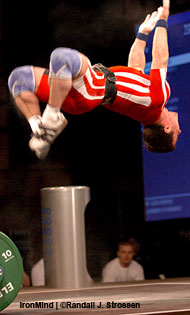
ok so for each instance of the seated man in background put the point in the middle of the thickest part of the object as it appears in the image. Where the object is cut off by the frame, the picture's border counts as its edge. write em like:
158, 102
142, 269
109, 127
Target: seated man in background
123, 268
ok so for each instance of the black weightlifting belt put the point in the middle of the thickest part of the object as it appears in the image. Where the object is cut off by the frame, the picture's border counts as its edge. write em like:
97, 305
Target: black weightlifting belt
110, 87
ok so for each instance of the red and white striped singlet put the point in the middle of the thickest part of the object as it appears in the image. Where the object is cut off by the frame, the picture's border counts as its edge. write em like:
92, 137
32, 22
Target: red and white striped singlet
139, 96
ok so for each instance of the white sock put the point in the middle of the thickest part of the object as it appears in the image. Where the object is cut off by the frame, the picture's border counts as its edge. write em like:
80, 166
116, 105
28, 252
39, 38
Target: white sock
50, 114
34, 122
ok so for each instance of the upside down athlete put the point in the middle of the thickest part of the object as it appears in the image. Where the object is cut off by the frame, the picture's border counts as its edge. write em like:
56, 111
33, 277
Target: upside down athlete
74, 86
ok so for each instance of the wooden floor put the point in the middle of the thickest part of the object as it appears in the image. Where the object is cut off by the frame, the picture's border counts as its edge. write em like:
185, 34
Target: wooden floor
170, 296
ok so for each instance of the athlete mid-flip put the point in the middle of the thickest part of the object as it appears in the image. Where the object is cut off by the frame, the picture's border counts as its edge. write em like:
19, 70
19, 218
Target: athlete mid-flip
74, 86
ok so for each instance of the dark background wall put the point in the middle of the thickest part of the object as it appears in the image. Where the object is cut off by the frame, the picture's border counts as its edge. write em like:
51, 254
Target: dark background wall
100, 149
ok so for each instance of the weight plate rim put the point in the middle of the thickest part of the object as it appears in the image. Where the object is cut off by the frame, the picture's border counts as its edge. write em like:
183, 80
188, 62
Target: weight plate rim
12, 245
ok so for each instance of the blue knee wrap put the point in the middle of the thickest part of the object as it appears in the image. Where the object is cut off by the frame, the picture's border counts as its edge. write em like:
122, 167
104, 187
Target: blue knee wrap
65, 63
21, 80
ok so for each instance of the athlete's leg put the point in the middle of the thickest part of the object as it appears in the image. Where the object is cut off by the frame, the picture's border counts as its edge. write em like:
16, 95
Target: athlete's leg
28, 104
65, 66
23, 82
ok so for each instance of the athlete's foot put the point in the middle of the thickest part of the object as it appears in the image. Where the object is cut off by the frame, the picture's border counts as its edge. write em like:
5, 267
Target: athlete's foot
41, 145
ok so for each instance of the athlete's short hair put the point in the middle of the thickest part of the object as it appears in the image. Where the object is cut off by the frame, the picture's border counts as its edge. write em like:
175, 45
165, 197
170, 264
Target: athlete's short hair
157, 140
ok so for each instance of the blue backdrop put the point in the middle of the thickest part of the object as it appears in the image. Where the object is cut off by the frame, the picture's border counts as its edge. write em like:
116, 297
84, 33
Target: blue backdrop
167, 176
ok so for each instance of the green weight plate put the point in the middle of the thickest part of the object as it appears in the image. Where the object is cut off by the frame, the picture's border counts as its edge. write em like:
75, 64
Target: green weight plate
1, 273
11, 271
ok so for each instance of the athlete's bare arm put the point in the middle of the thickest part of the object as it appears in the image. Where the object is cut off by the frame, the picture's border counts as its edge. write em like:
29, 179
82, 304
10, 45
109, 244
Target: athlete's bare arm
136, 58
160, 52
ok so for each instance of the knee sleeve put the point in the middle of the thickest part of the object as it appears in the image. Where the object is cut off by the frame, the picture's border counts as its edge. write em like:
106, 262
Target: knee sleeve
21, 80
65, 63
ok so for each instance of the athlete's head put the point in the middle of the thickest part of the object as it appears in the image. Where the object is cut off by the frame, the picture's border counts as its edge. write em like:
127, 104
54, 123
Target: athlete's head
162, 136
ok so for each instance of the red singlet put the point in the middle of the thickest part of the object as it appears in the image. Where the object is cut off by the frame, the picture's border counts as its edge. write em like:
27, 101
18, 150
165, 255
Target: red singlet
139, 96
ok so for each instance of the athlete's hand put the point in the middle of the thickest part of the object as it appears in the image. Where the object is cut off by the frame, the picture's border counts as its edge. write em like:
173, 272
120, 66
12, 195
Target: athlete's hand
165, 10
150, 21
